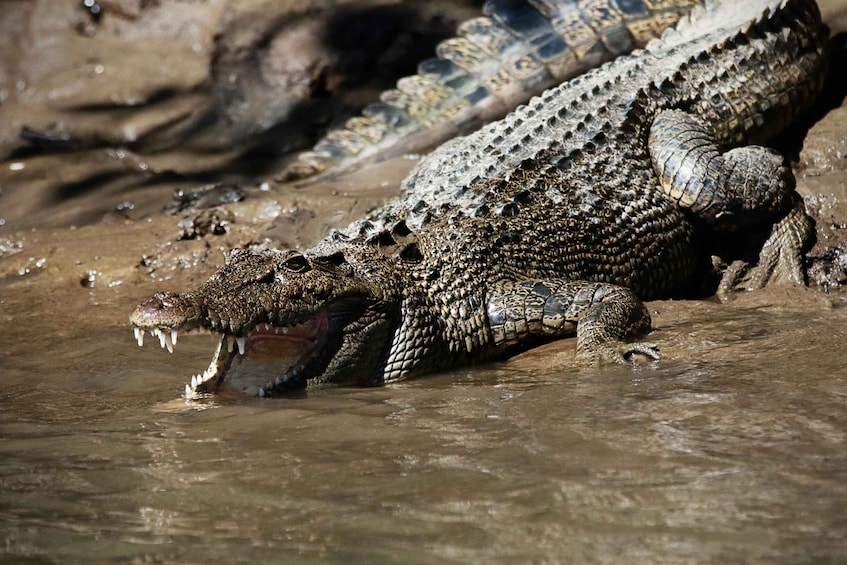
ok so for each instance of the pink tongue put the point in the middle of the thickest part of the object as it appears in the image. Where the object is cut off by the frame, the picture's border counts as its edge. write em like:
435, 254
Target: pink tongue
297, 341
277, 346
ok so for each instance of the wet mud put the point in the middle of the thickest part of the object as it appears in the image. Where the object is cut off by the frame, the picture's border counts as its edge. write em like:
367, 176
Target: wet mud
731, 448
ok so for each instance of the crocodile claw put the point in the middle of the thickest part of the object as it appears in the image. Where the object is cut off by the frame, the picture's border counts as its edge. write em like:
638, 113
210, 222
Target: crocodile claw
618, 353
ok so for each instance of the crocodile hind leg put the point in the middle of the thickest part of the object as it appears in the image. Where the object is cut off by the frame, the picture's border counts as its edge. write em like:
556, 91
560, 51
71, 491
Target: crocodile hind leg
745, 187
603, 316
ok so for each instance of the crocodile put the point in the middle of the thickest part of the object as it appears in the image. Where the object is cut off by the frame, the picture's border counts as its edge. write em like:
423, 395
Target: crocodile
558, 220
516, 49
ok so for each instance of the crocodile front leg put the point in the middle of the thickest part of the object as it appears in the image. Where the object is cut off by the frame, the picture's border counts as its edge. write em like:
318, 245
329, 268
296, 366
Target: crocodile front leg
603, 316
743, 187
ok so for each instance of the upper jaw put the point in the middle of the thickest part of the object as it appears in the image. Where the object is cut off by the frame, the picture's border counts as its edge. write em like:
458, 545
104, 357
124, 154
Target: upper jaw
168, 310
165, 314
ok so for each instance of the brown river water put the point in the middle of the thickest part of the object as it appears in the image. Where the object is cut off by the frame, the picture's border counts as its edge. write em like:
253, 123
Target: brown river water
731, 449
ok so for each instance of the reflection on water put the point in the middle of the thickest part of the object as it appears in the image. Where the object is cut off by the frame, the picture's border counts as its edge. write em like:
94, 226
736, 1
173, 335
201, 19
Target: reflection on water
731, 449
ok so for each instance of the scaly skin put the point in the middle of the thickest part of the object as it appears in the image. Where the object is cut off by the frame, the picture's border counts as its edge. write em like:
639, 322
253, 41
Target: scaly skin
517, 49
559, 219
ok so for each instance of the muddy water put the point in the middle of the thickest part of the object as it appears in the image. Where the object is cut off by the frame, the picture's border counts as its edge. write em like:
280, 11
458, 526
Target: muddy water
732, 448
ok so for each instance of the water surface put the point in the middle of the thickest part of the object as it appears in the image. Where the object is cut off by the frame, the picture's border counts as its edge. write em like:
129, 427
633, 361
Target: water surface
731, 449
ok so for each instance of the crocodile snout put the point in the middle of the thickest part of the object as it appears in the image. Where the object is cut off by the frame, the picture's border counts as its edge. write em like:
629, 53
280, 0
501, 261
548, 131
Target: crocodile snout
166, 310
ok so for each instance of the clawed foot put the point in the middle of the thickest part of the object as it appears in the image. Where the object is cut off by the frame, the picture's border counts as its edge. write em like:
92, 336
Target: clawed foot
741, 276
737, 276
617, 353
648, 350
780, 260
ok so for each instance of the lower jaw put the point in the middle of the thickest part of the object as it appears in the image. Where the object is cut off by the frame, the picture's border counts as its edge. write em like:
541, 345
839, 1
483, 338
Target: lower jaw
251, 378
265, 364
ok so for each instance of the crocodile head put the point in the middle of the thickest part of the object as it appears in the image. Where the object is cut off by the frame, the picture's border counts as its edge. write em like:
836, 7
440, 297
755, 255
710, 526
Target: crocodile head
283, 317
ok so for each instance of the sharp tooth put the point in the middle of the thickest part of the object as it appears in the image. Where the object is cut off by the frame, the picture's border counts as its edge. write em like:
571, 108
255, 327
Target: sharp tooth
188, 392
229, 344
194, 380
285, 329
241, 342
267, 327
139, 336
168, 343
277, 381
174, 335
261, 392
162, 338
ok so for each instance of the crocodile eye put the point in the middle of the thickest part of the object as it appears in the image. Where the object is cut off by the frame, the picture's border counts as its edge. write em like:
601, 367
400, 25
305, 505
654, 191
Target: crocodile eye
297, 264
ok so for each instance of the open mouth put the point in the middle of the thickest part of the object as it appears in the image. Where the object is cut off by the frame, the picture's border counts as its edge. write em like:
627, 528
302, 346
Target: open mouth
259, 362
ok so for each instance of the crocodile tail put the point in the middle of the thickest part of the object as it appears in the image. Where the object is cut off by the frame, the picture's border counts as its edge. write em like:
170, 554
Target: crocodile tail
517, 49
